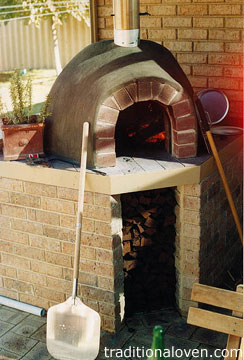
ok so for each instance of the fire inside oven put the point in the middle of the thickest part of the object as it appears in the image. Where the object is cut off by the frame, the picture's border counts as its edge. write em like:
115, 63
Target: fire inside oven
141, 127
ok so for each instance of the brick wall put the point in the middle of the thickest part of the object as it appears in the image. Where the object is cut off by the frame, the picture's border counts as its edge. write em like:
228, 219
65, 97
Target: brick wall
206, 37
207, 242
37, 234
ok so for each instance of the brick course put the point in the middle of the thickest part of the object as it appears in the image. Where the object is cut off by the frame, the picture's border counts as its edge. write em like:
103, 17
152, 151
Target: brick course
197, 32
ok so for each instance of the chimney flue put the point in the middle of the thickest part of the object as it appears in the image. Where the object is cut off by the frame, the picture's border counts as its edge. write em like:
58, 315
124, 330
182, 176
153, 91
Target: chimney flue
126, 22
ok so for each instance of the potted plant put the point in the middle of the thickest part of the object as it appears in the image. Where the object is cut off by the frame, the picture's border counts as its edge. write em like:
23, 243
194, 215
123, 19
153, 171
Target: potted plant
22, 130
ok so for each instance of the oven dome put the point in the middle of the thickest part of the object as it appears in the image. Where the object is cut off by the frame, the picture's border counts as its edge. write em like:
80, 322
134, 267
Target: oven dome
88, 85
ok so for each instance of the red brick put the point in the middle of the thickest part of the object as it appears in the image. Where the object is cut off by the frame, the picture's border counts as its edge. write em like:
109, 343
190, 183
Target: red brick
111, 102
184, 137
185, 151
167, 94
105, 145
182, 108
157, 88
123, 99
184, 123
144, 90
105, 160
108, 115
132, 90
104, 130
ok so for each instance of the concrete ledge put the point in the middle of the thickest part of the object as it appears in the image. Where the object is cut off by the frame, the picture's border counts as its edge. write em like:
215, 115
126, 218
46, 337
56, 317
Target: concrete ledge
118, 184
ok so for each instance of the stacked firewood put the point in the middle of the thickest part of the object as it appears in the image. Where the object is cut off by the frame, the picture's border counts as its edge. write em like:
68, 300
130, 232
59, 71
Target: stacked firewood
148, 249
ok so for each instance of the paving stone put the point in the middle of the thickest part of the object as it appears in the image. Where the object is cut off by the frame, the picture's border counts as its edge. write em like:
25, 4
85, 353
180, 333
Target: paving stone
8, 355
40, 334
209, 337
182, 330
28, 326
18, 344
4, 327
134, 323
135, 343
167, 317
41, 319
145, 335
38, 352
12, 316
208, 350
118, 340
179, 346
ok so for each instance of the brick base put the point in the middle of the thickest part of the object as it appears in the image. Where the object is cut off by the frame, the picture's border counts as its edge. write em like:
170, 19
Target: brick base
37, 234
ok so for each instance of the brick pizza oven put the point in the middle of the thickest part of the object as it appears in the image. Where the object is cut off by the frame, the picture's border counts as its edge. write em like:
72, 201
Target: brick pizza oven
101, 82
159, 200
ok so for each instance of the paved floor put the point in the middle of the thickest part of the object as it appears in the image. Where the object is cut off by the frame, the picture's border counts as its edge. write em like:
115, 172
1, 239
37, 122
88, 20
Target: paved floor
22, 336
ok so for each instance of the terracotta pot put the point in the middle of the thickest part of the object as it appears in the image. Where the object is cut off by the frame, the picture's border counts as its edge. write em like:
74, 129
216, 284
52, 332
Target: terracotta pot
19, 141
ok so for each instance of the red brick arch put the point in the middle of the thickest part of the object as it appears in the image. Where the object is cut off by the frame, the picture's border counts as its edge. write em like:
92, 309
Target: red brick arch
183, 119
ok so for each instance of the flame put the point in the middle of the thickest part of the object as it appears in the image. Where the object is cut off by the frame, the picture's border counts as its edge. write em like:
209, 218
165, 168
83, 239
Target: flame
156, 138
144, 126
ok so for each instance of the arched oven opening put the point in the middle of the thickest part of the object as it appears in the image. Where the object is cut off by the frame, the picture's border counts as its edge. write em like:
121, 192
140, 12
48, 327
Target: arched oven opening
142, 129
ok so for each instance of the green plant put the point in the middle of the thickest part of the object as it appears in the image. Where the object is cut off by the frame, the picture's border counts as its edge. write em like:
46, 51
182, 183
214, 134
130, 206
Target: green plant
21, 99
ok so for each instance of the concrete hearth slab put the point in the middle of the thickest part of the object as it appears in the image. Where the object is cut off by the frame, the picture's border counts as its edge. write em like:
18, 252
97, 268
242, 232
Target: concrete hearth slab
129, 175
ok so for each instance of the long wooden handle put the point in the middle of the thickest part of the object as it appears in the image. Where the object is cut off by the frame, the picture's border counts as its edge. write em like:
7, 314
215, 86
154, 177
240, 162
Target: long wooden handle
224, 180
80, 206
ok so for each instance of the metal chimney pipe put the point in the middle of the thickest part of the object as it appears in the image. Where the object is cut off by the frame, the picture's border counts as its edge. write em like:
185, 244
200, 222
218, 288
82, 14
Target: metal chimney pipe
126, 22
